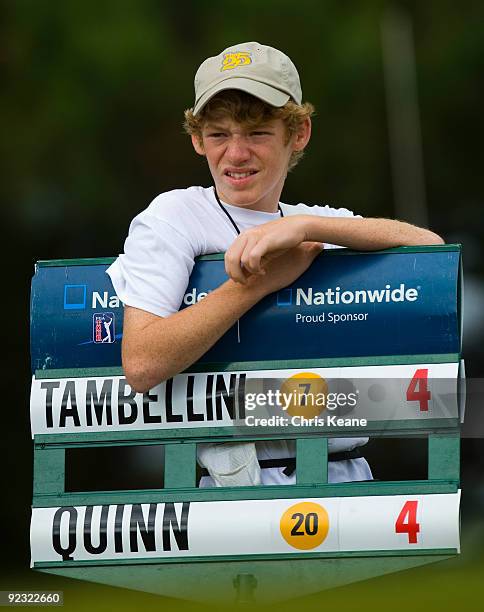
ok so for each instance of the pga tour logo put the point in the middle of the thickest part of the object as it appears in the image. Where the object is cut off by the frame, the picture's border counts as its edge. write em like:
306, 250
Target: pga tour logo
103, 328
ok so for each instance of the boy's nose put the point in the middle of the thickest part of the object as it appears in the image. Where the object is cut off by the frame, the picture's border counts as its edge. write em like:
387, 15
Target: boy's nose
237, 150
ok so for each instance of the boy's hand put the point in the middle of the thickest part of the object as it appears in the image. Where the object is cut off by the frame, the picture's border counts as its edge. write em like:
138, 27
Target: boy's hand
252, 251
281, 270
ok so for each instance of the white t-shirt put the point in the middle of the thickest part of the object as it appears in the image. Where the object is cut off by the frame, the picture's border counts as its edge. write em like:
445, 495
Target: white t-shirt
159, 255
177, 226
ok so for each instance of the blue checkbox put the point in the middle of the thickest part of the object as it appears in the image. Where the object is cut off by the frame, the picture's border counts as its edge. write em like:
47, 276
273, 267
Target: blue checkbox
284, 297
75, 297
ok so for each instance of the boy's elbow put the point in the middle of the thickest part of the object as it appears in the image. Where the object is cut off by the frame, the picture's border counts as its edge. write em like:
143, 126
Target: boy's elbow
139, 376
136, 379
423, 237
434, 238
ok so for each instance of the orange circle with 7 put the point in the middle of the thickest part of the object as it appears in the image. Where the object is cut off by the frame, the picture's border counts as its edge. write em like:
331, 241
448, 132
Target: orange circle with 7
305, 525
305, 394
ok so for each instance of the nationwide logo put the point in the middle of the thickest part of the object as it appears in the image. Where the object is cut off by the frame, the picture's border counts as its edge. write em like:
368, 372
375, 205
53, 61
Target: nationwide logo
104, 300
103, 328
194, 296
76, 298
332, 296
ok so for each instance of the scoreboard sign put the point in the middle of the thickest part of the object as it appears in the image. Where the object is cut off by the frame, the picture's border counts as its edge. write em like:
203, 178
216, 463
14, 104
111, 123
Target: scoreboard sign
251, 527
374, 394
376, 335
400, 302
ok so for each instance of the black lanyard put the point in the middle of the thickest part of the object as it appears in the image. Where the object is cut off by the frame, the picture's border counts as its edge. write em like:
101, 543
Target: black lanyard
236, 227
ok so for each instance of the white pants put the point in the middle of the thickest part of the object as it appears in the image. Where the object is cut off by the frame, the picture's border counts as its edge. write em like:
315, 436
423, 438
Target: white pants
348, 470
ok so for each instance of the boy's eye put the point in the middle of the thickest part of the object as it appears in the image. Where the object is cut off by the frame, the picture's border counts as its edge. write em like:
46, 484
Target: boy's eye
216, 134
260, 133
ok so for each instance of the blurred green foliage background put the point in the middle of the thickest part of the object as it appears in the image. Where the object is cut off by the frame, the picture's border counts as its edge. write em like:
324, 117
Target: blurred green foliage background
91, 106
93, 95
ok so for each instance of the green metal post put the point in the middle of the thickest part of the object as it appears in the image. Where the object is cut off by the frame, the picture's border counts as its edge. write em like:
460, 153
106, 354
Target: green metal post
180, 465
49, 468
444, 457
312, 460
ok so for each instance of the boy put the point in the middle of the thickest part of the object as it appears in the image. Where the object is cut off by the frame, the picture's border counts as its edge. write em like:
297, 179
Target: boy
250, 124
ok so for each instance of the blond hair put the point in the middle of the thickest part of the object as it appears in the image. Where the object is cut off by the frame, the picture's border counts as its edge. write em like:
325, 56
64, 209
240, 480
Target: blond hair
250, 112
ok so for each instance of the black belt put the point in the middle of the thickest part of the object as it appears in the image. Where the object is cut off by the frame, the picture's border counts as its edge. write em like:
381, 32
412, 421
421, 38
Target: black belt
289, 463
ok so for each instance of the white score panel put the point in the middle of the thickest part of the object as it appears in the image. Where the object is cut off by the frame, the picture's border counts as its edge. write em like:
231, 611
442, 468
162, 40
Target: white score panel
248, 527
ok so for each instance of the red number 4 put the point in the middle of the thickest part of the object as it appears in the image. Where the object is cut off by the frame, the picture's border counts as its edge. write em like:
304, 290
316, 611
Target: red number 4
418, 390
407, 521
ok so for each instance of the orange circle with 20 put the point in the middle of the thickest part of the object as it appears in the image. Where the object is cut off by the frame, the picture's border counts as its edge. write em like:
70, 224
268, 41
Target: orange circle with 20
305, 525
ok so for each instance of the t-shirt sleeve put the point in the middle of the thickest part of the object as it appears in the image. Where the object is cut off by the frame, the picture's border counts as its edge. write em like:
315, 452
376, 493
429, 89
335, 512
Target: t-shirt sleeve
153, 272
328, 211
321, 211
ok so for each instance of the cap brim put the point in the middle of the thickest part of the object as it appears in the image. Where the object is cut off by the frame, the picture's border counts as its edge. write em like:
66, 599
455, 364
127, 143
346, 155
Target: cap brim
264, 92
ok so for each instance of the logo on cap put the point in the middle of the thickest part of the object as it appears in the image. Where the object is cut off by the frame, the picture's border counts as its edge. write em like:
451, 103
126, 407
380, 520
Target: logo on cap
233, 60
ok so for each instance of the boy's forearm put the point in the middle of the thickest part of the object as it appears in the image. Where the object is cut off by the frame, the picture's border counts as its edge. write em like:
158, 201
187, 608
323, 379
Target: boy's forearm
367, 234
167, 346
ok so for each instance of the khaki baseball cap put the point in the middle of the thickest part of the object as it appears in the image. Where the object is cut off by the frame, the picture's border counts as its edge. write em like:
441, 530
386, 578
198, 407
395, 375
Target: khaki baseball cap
259, 70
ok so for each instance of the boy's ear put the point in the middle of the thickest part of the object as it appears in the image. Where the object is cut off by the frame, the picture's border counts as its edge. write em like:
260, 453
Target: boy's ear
198, 144
301, 138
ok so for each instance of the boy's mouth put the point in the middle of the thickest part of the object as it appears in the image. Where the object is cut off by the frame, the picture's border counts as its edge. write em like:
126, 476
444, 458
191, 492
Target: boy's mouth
238, 176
